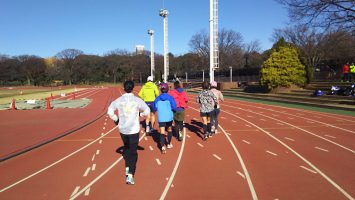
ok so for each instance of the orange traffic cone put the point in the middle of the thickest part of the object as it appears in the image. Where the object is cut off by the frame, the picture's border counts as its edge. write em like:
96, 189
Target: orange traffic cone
48, 104
13, 106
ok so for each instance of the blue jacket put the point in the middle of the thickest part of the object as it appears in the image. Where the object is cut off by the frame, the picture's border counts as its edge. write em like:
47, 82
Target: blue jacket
165, 105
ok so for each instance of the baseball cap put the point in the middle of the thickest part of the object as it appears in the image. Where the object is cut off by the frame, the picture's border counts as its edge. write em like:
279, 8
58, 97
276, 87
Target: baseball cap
164, 87
150, 78
213, 84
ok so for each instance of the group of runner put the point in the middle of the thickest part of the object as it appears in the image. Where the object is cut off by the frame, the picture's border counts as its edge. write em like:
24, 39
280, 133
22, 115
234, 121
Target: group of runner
170, 107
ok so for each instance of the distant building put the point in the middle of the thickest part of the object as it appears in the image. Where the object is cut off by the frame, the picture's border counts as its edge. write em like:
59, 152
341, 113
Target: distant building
139, 49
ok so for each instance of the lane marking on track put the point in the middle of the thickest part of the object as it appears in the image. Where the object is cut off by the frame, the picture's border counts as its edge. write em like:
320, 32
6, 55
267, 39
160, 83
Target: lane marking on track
272, 153
158, 161
234, 121
102, 134
145, 138
100, 176
151, 148
247, 125
97, 152
303, 167
103, 128
229, 134
298, 155
188, 136
297, 127
217, 157
280, 123
289, 139
241, 174
249, 116
321, 149
223, 118
75, 191
170, 182
330, 136
310, 122
93, 167
199, 144
105, 124
290, 118
93, 157
87, 171
87, 192
246, 141
247, 176
100, 141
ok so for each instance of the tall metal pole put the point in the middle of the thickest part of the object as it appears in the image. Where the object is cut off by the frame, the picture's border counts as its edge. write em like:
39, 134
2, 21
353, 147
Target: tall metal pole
152, 64
164, 13
214, 54
230, 68
203, 75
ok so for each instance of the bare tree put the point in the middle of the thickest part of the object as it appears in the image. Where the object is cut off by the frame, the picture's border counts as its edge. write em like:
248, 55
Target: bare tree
327, 14
250, 49
68, 56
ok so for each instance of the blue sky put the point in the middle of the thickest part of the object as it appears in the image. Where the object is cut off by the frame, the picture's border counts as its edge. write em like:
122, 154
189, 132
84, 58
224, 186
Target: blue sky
46, 27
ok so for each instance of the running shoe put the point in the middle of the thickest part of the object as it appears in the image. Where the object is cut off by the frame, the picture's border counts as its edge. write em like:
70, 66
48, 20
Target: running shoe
169, 146
216, 131
147, 130
129, 179
205, 137
163, 150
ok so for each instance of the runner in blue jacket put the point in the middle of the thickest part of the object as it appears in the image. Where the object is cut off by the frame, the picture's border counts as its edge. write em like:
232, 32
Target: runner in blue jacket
165, 105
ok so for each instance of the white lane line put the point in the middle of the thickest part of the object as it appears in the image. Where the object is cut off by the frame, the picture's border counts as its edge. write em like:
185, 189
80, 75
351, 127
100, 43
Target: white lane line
272, 153
241, 174
188, 136
93, 157
158, 161
145, 138
102, 134
247, 125
310, 122
229, 134
297, 154
217, 157
170, 182
314, 172
100, 176
151, 148
105, 124
249, 116
321, 149
75, 191
223, 118
87, 192
330, 136
51, 165
93, 167
106, 118
199, 144
100, 141
246, 141
97, 152
87, 171
280, 123
234, 121
289, 139
103, 128
290, 118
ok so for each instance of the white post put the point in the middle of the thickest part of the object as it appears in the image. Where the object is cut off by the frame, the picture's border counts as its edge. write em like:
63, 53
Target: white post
164, 13
186, 77
152, 64
203, 75
211, 42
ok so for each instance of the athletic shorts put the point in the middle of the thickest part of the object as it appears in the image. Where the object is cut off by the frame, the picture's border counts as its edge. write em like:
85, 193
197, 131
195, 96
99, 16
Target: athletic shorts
179, 115
150, 105
202, 114
165, 124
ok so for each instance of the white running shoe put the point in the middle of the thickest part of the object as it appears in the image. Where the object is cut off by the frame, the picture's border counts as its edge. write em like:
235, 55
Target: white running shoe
169, 146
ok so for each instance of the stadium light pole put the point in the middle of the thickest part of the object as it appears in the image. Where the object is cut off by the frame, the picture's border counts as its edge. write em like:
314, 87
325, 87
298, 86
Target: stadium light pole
164, 13
152, 67
203, 75
214, 53
230, 68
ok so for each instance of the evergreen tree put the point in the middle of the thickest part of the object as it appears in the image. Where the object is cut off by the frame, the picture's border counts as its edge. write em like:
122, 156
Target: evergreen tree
283, 68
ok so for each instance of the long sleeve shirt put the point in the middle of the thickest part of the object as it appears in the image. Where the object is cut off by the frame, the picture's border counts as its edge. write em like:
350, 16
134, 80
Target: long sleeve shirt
218, 94
207, 100
128, 107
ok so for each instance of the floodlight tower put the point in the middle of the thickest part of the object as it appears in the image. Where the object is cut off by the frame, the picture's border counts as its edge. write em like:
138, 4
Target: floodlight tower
164, 13
214, 53
152, 67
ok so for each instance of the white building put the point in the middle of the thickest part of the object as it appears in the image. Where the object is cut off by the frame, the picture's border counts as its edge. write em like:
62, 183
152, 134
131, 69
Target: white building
139, 49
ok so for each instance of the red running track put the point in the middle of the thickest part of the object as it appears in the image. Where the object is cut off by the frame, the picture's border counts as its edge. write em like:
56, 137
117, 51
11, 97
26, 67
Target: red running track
261, 152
